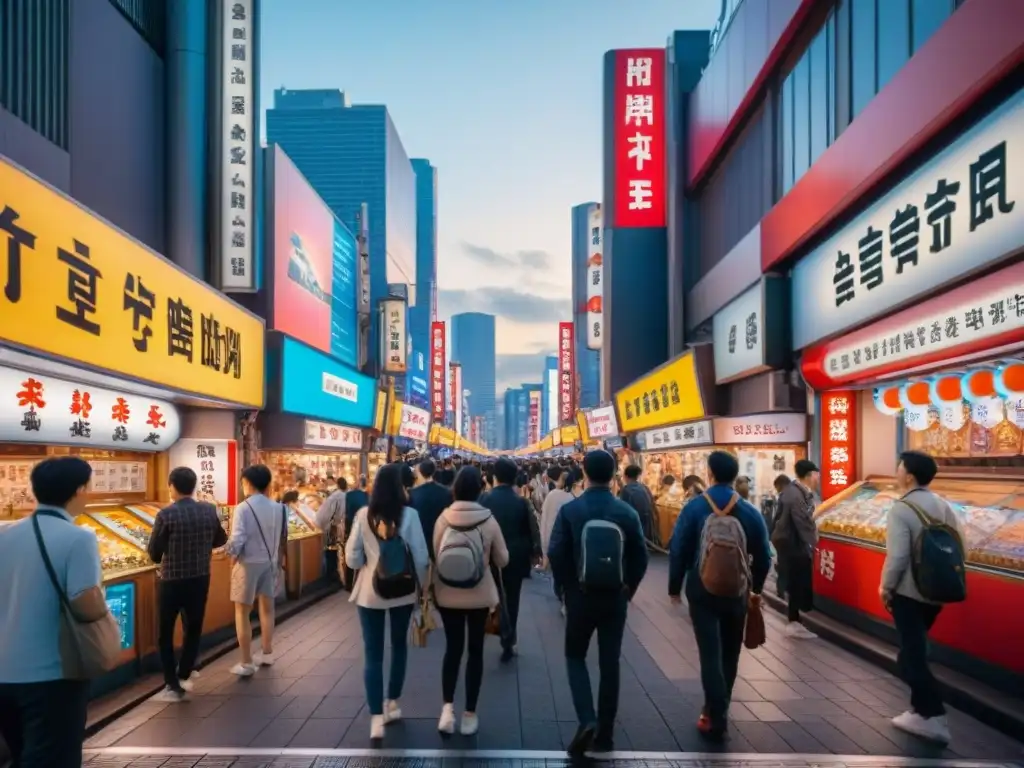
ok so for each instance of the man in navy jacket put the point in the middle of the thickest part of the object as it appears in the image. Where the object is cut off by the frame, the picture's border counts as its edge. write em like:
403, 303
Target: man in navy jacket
718, 622
590, 612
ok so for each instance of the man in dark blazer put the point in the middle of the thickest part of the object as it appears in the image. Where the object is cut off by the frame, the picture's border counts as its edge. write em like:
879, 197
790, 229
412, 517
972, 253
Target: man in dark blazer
429, 499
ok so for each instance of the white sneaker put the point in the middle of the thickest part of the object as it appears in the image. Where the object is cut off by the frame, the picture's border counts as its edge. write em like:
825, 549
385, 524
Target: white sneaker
169, 696
470, 724
195, 675
244, 670
261, 659
562, 610
187, 685
798, 631
931, 728
392, 711
446, 723
376, 727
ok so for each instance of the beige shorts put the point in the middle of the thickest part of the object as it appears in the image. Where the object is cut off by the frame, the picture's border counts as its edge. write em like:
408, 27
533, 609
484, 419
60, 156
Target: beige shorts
251, 579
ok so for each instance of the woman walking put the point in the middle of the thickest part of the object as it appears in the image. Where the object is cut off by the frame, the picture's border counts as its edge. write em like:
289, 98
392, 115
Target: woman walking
467, 543
388, 549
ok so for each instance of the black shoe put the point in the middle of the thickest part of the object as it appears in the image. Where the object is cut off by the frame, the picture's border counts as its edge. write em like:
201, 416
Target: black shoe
507, 655
582, 741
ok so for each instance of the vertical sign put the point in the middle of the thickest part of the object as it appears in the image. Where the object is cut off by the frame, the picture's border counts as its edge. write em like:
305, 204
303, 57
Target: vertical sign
237, 146
566, 376
437, 362
533, 425
639, 138
456, 397
215, 463
595, 285
393, 336
838, 442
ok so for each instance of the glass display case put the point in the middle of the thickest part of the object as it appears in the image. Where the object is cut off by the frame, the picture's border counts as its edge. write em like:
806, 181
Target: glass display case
118, 554
124, 523
298, 525
991, 512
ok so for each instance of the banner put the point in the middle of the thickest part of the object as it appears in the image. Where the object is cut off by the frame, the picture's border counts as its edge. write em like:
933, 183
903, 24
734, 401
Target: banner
455, 375
437, 368
566, 373
595, 279
393, 336
533, 425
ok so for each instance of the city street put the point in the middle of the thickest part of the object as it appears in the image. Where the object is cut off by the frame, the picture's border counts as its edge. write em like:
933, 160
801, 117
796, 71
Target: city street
794, 697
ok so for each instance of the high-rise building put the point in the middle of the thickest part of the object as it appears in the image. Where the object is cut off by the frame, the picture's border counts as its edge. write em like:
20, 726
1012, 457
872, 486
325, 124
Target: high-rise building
549, 395
588, 361
352, 154
425, 311
511, 414
473, 346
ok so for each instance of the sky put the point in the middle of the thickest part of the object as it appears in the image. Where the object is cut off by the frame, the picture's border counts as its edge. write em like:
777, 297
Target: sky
504, 98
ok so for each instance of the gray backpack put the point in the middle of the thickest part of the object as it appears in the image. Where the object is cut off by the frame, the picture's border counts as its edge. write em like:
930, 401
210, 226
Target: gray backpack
460, 558
724, 567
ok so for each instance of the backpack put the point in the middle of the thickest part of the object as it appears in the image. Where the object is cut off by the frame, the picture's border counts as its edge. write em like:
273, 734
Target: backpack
723, 565
602, 550
395, 573
460, 558
937, 560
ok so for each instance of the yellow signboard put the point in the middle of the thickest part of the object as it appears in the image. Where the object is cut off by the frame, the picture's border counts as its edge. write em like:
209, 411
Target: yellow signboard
443, 436
381, 412
545, 444
667, 395
79, 289
581, 425
570, 435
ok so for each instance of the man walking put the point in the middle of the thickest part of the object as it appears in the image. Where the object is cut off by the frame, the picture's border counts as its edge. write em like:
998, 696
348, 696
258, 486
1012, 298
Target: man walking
795, 537
639, 498
598, 558
429, 499
330, 518
184, 536
718, 613
355, 500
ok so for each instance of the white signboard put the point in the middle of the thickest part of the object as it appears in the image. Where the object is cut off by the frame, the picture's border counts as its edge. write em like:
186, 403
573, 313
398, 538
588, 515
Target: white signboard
319, 434
42, 409
601, 422
237, 146
963, 210
214, 462
763, 428
457, 398
738, 334
682, 436
394, 352
595, 278
415, 423
552, 411
339, 387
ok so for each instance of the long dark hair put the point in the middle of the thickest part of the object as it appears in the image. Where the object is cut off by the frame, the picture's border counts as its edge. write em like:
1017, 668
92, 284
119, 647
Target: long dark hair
388, 498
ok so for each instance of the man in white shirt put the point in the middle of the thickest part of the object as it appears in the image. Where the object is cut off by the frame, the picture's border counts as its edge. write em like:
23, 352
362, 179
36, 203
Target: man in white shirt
42, 714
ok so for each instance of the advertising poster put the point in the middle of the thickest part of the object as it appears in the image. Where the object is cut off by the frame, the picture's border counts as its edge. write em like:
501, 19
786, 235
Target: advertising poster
551, 409
533, 426
566, 373
317, 386
314, 267
393, 337
437, 369
215, 463
595, 279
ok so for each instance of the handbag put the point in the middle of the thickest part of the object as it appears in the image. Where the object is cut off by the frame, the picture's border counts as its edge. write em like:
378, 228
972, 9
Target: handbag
497, 620
87, 648
279, 580
423, 622
754, 635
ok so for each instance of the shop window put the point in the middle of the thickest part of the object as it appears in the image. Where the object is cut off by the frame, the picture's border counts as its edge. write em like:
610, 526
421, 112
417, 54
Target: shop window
893, 38
863, 51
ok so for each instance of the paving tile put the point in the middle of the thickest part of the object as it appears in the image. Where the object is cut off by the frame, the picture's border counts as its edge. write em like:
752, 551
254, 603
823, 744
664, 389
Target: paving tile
159, 732
798, 739
301, 707
767, 712
775, 691
762, 737
322, 733
253, 706
339, 708
319, 684
224, 731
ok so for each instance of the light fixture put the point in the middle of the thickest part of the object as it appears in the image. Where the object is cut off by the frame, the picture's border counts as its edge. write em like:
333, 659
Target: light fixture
1009, 379
978, 385
914, 393
887, 400
946, 390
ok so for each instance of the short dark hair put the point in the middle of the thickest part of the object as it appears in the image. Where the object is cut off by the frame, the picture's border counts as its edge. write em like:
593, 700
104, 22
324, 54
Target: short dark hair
183, 480
468, 484
920, 466
691, 480
804, 467
723, 466
554, 473
522, 478
670, 480
290, 496
427, 468
258, 476
632, 472
55, 481
599, 466
408, 478
342, 484
782, 481
505, 471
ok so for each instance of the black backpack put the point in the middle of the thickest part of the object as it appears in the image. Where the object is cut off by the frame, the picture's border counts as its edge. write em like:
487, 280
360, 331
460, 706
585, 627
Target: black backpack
937, 560
395, 574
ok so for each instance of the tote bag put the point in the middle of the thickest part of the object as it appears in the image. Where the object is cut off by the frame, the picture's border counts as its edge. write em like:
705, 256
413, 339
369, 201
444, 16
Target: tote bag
87, 648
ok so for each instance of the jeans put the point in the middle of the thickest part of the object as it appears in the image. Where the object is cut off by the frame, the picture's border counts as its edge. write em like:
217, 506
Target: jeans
799, 586
914, 620
372, 621
510, 616
586, 614
187, 598
458, 623
44, 723
718, 625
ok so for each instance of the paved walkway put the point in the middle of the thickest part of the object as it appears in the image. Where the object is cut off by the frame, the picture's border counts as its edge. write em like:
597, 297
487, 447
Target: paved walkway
793, 697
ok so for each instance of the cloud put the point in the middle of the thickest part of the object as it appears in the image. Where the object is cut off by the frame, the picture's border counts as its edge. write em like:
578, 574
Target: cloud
508, 303
532, 259
535, 259
516, 370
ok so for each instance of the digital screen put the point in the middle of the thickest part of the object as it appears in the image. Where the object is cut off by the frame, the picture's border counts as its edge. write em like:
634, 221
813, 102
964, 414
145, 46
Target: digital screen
121, 602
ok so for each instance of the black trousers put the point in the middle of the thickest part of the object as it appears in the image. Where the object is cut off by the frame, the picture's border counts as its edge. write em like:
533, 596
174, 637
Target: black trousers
187, 598
510, 616
44, 723
914, 620
463, 631
718, 625
331, 566
587, 614
799, 585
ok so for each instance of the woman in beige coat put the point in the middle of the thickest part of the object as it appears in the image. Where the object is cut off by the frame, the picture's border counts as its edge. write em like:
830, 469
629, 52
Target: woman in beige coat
472, 533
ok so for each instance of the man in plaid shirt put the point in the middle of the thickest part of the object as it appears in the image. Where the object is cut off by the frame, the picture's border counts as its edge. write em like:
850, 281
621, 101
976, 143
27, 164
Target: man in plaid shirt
184, 535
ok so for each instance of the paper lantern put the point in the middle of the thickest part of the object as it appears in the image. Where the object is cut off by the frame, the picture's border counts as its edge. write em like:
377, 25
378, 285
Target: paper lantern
978, 384
887, 400
945, 390
915, 393
1009, 380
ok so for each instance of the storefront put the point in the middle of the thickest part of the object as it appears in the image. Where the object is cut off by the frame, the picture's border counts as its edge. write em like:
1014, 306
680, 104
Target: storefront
111, 353
902, 361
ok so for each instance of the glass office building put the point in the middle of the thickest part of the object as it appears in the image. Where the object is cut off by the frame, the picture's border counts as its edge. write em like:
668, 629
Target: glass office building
588, 361
425, 311
472, 340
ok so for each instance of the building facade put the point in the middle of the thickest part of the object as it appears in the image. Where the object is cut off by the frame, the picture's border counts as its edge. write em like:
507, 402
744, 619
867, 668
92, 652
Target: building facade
352, 154
549, 394
425, 310
588, 361
472, 341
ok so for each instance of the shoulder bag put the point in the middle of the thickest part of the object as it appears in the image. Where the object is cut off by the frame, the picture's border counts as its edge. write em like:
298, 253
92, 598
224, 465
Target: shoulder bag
278, 570
87, 648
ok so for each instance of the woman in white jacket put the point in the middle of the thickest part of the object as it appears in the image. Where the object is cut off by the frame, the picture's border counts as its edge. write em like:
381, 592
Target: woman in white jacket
386, 517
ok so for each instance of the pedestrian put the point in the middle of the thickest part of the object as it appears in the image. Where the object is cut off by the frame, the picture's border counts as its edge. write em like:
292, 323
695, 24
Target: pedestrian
639, 498
794, 538
185, 533
714, 536
693, 486
742, 487
388, 549
555, 500
429, 499
355, 499
521, 533
42, 706
770, 510
330, 518
259, 537
598, 558
468, 542
446, 476
901, 593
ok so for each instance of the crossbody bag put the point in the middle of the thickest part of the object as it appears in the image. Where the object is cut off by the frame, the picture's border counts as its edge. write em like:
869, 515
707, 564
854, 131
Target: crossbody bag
277, 568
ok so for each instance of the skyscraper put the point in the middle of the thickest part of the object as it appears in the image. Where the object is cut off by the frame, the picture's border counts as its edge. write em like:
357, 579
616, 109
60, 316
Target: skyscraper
421, 315
473, 347
352, 154
588, 361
